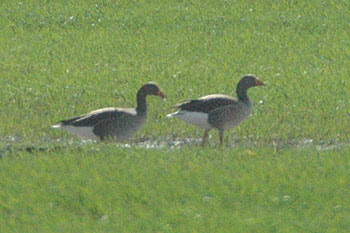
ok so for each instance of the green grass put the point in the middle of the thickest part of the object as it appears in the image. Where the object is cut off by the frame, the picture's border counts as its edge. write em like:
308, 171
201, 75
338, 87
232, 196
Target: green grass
63, 58
184, 190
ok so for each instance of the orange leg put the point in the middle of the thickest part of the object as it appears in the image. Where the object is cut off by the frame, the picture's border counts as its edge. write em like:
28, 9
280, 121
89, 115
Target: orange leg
221, 136
205, 137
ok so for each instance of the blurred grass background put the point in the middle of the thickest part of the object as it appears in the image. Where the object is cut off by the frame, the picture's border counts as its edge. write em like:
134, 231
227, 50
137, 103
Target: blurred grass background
60, 59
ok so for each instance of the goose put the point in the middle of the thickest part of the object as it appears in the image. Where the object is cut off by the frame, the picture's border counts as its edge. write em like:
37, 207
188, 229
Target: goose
118, 124
218, 111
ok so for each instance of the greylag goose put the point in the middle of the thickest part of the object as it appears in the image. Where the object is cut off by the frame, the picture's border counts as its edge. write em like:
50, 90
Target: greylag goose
115, 123
218, 111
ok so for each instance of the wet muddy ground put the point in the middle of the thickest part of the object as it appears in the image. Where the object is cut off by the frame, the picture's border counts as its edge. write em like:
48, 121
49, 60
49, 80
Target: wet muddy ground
13, 144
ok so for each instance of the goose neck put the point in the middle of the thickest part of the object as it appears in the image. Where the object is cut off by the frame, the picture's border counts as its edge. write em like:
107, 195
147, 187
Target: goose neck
242, 93
141, 102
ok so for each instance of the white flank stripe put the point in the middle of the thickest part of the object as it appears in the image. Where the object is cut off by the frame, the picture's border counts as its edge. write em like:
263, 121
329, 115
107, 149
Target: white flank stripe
172, 114
83, 131
56, 126
195, 118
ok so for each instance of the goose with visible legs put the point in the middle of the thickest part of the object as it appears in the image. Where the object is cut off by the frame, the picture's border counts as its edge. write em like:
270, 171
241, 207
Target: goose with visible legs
219, 111
115, 123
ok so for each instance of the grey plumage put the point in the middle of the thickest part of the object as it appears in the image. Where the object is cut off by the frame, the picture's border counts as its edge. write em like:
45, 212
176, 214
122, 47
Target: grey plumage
218, 111
118, 124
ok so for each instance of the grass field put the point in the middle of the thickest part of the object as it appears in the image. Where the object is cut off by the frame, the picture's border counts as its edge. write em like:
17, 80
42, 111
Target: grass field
285, 169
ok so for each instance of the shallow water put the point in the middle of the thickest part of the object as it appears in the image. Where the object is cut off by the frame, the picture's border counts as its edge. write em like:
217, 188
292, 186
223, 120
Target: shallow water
14, 144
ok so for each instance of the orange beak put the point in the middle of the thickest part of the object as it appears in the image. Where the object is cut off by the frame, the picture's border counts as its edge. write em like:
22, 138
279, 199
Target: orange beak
259, 83
159, 93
